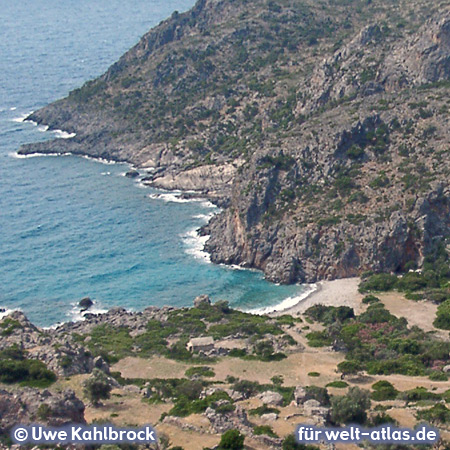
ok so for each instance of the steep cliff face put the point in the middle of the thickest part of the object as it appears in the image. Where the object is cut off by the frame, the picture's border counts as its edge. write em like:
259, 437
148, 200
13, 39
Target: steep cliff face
323, 127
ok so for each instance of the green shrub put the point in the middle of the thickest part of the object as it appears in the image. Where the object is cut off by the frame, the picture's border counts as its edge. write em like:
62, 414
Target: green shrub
202, 371
237, 352
16, 368
313, 374
437, 375
339, 384
289, 443
246, 387
376, 313
411, 281
8, 326
265, 429
112, 343
418, 394
437, 414
44, 412
319, 339
383, 390
369, 299
442, 320
380, 282
355, 152
351, 408
381, 419
330, 314
231, 440
264, 409
97, 387
349, 367
317, 393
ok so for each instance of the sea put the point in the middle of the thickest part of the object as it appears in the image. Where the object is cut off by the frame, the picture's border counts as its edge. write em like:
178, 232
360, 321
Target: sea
72, 227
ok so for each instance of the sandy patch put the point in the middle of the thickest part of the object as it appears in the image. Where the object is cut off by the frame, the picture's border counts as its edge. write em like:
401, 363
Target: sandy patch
343, 292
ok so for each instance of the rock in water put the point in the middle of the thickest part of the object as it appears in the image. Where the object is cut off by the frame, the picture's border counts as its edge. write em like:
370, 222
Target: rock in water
132, 174
85, 303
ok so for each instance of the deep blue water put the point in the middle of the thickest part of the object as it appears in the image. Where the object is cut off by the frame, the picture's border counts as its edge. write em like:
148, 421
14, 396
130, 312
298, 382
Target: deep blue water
72, 227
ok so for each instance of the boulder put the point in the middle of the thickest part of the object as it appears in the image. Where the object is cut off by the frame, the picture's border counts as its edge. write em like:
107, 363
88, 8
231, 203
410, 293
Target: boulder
132, 174
101, 364
446, 369
299, 395
202, 300
221, 422
271, 398
313, 409
85, 303
269, 417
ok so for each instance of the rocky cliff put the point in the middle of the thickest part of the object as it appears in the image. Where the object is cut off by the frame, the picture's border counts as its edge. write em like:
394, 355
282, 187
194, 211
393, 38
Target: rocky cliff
322, 126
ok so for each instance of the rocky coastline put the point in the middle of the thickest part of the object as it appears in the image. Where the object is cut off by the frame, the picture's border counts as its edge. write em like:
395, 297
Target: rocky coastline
321, 177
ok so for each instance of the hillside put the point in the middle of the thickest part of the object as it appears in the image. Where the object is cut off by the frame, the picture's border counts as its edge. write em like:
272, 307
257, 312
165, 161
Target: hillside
322, 126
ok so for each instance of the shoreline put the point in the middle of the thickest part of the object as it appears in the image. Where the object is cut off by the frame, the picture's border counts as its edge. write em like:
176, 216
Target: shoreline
340, 292
336, 292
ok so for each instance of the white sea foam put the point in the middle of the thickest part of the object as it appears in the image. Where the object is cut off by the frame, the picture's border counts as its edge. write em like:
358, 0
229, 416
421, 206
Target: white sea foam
63, 134
195, 245
76, 315
7, 312
286, 303
35, 155
106, 173
22, 117
13, 108
100, 160
205, 217
42, 128
177, 197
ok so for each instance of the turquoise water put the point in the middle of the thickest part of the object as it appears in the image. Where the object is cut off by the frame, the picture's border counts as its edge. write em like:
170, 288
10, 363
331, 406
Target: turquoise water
72, 227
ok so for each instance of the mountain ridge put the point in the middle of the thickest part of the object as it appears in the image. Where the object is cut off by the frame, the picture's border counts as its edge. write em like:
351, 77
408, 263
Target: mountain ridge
323, 127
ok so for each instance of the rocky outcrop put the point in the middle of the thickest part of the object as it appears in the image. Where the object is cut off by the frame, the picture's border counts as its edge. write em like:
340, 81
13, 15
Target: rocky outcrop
424, 58
271, 398
221, 422
31, 405
59, 352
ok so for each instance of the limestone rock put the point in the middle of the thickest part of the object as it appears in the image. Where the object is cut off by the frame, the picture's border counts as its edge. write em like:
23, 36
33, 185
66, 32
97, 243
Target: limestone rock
271, 398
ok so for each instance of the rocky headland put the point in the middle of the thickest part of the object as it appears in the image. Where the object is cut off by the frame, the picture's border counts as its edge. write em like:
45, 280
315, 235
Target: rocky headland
322, 128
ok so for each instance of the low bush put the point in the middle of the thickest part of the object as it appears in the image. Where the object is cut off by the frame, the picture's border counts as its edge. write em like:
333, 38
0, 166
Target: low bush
16, 368
383, 390
369, 299
351, 408
317, 393
264, 409
202, 371
442, 320
265, 429
437, 414
417, 394
380, 282
338, 384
